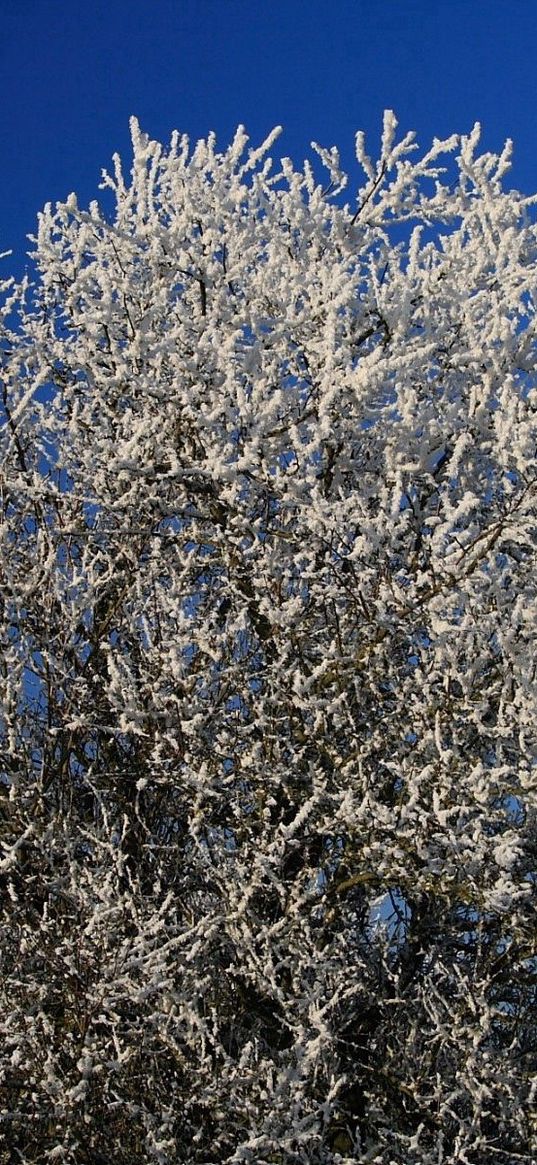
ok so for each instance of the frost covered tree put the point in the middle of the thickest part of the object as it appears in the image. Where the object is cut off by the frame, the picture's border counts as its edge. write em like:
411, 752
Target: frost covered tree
268, 664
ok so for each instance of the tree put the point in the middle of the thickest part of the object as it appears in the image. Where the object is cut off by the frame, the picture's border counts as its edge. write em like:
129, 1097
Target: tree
268, 678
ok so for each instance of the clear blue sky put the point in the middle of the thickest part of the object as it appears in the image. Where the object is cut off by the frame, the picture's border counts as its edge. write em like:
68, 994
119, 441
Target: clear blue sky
73, 73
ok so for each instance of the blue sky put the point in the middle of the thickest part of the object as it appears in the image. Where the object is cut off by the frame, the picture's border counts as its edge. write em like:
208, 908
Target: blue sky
73, 73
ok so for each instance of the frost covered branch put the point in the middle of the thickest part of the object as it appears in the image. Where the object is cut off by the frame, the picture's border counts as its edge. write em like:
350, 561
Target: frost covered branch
268, 682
